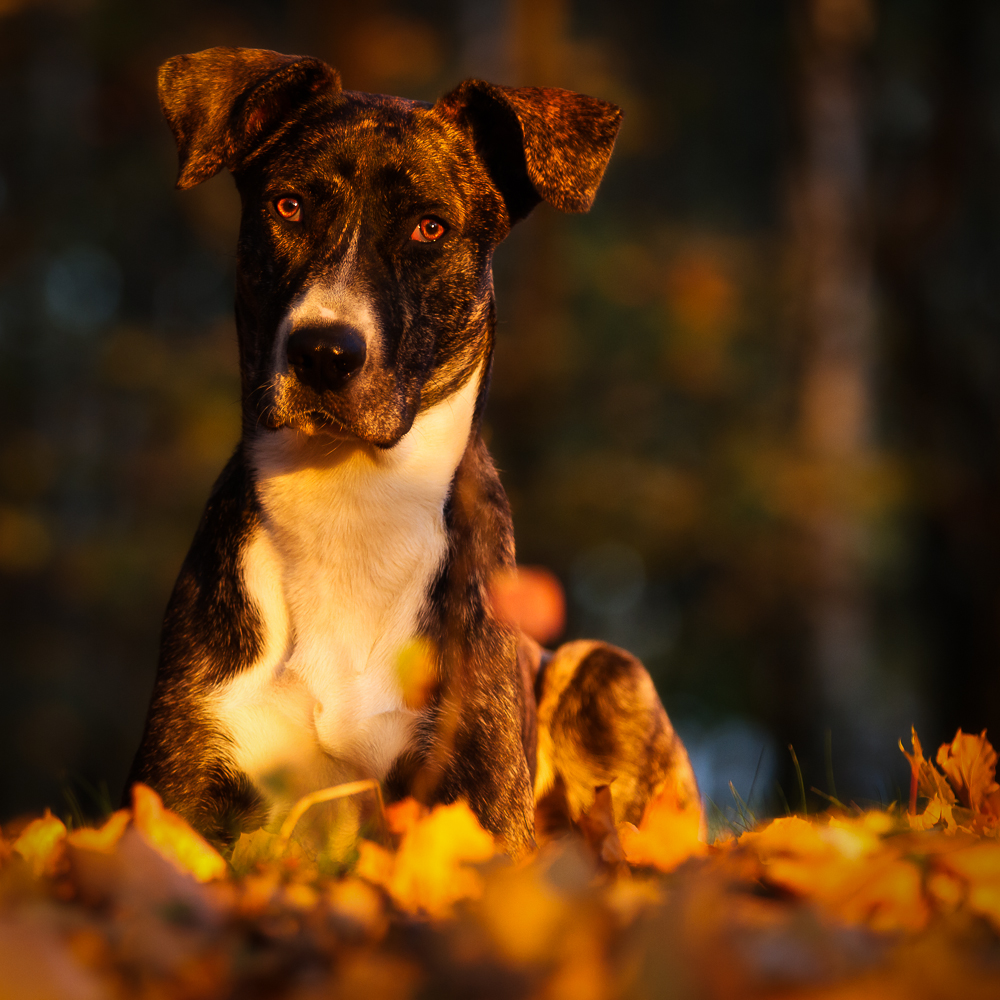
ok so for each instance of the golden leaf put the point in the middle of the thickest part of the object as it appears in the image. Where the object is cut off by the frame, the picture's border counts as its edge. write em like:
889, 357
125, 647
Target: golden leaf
170, 836
846, 867
300, 896
785, 835
925, 777
375, 863
523, 913
429, 873
979, 866
669, 833
257, 890
938, 815
947, 891
404, 815
970, 762
417, 671
40, 842
357, 904
979, 862
104, 839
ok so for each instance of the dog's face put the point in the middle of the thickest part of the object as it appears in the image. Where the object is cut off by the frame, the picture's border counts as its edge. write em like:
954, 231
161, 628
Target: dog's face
364, 285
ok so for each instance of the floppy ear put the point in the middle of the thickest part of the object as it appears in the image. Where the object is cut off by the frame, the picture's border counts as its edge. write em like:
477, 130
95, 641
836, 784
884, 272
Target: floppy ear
537, 143
222, 102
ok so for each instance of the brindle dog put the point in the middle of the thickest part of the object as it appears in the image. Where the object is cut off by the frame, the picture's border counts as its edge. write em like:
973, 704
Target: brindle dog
361, 512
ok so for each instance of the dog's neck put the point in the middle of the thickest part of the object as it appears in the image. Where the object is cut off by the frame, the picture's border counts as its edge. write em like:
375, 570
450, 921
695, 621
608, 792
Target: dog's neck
350, 542
315, 489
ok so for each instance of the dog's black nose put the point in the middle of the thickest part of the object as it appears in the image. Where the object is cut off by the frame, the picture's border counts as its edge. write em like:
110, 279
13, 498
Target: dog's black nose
325, 357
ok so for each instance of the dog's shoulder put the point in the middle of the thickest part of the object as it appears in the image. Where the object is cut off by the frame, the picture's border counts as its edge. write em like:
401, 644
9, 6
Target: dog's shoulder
211, 625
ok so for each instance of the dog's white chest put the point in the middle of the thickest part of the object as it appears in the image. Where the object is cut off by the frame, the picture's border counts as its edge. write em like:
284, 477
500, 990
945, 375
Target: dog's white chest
350, 543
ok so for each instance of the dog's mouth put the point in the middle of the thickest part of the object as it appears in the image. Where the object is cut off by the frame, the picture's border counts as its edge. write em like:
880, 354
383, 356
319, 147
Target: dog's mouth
315, 422
320, 424
377, 419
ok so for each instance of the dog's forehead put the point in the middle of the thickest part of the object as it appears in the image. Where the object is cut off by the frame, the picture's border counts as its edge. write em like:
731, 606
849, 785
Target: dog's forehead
375, 136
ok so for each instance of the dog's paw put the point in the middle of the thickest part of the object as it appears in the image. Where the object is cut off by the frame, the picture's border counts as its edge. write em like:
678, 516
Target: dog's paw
601, 722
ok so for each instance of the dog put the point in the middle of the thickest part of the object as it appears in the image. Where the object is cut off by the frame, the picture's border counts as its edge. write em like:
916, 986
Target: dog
361, 515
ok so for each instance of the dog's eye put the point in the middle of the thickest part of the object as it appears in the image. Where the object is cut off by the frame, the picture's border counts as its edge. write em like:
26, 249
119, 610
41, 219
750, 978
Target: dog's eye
428, 230
288, 208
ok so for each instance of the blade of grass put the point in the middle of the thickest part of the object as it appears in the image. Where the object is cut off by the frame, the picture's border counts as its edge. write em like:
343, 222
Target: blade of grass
829, 798
831, 786
784, 799
756, 771
717, 817
802, 784
88, 804
74, 819
740, 806
323, 795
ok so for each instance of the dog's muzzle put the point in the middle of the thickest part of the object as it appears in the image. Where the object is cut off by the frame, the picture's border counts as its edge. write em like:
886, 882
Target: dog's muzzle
326, 356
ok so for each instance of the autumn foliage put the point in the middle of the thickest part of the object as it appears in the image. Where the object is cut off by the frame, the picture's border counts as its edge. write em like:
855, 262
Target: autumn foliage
900, 902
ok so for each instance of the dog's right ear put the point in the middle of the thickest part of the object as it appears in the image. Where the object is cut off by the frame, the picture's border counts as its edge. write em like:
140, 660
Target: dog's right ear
222, 102
538, 144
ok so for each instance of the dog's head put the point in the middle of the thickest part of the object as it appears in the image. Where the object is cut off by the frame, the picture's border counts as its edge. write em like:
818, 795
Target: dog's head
364, 288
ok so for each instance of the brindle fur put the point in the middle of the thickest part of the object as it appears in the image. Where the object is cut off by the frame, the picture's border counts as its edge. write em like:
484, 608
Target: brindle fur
485, 156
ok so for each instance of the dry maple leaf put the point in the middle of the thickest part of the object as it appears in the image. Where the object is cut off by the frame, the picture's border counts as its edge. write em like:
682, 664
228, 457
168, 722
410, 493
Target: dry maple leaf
523, 913
430, 871
938, 815
597, 824
970, 763
402, 816
978, 866
846, 866
925, 778
171, 836
104, 839
670, 832
41, 842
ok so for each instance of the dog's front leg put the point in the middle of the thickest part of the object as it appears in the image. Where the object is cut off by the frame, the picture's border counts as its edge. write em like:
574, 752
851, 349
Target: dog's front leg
481, 732
211, 631
479, 751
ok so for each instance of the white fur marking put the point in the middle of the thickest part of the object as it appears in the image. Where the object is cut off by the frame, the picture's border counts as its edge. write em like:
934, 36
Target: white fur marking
336, 301
351, 540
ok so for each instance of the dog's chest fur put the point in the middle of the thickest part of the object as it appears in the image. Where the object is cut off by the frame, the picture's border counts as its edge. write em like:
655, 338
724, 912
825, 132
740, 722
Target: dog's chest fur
350, 542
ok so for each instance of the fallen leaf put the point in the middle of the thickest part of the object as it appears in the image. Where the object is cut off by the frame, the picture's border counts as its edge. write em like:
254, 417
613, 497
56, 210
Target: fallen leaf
847, 867
970, 763
173, 838
597, 824
404, 815
41, 843
429, 873
523, 913
417, 670
785, 835
105, 838
669, 833
357, 904
925, 777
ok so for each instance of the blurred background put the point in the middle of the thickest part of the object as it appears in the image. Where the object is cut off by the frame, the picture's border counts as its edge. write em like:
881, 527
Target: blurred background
748, 409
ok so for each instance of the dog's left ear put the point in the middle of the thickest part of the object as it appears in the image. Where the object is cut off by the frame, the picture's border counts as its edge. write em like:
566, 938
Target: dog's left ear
537, 143
222, 103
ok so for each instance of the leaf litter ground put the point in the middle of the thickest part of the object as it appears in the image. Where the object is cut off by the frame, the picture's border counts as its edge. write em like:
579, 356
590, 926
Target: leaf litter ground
903, 902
